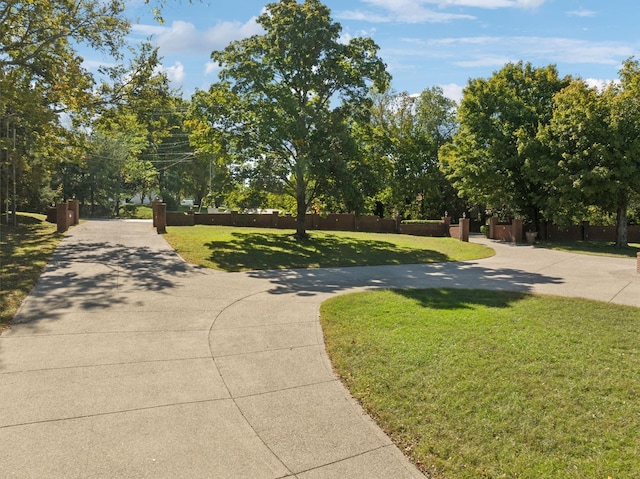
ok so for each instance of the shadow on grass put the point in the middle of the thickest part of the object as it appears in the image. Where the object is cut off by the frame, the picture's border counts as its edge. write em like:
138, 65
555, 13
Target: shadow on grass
457, 299
24, 252
260, 251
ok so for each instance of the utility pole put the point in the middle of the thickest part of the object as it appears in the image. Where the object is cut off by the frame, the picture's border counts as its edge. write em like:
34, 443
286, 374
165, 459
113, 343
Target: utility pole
13, 160
6, 169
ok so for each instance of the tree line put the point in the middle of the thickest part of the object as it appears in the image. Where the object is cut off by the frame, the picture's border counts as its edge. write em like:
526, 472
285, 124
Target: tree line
302, 120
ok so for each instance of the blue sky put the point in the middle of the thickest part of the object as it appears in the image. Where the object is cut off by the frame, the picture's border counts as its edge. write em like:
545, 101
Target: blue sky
423, 42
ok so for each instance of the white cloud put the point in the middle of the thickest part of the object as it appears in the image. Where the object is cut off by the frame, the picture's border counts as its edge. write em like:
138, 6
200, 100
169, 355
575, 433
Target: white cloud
184, 37
490, 51
95, 64
582, 13
346, 37
212, 68
452, 91
402, 11
416, 11
176, 73
599, 83
488, 4
148, 30
486, 61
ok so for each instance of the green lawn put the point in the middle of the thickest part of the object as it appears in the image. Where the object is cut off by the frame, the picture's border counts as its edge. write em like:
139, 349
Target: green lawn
240, 249
481, 384
24, 252
134, 210
601, 248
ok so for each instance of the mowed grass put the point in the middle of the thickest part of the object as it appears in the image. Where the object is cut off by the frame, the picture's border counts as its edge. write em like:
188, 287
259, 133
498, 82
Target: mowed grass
24, 252
240, 249
600, 248
481, 384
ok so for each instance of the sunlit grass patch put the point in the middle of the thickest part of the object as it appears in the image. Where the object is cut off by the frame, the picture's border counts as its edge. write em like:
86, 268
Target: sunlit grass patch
238, 249
475, 384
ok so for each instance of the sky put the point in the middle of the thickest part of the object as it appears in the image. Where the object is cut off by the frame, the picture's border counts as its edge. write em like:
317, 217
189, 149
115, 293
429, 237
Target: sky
424, 43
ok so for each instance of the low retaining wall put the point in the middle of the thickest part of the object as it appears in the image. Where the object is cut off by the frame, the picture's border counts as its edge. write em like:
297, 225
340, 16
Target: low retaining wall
587, 232
332, 222
551, 232
511, 233
424, 229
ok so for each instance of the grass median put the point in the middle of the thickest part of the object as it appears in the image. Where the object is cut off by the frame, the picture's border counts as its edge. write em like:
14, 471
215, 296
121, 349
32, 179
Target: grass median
24, 252
241, 249
487, 384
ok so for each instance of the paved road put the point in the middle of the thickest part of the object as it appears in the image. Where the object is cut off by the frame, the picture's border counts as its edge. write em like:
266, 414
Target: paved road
127, 362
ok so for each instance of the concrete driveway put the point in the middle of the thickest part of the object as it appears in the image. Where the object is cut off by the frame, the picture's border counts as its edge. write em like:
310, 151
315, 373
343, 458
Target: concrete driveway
126, 362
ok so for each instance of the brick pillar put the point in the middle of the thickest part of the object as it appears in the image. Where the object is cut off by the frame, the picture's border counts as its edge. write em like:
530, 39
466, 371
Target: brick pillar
516, 231
154, 209
463, 229
160, 216
447, 223
493, 222
62, 219
638, 267
74, 206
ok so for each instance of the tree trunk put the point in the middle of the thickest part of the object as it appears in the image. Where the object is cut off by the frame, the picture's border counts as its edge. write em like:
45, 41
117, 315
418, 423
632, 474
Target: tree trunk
93, 203
301, 203
621, 227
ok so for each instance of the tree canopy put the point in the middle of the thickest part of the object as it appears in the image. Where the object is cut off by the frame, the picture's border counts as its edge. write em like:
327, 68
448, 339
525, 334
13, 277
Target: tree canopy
408, 131
493, 158
593, 149
294, 92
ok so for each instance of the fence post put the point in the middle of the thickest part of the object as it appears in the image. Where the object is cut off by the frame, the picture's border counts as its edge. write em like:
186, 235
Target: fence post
585, 231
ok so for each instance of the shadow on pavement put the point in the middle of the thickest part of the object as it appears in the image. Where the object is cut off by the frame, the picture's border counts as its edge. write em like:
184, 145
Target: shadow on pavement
444, 275
93, 275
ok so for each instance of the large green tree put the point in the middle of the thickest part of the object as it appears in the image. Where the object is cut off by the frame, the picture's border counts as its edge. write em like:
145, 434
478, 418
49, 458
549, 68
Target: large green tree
493, 159
294, 91
42, 75
408, 131
593, 150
